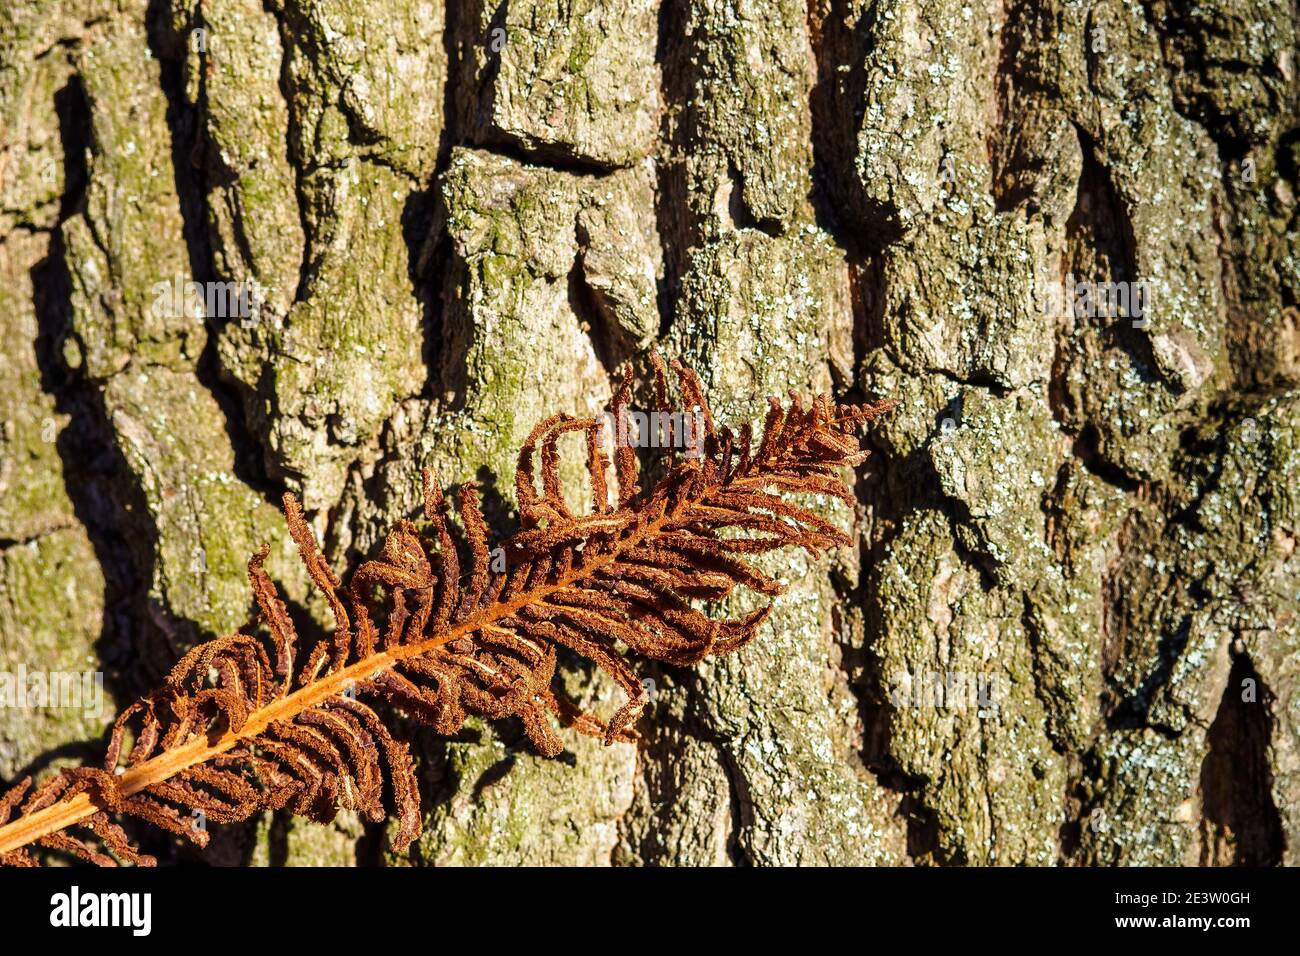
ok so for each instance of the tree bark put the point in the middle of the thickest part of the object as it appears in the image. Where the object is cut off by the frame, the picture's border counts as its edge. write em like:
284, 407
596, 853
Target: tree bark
1069, 632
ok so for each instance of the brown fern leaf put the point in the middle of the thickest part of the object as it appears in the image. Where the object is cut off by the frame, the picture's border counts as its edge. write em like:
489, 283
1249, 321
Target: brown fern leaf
241, 725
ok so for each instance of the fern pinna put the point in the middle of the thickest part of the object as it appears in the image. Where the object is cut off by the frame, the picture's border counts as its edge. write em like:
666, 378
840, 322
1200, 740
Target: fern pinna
247, 723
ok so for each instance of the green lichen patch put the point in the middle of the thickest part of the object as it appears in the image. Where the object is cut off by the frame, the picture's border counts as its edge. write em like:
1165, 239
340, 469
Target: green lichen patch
571, 80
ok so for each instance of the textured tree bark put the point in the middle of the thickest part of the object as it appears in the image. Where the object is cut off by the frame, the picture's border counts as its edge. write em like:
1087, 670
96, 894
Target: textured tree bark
1069, 634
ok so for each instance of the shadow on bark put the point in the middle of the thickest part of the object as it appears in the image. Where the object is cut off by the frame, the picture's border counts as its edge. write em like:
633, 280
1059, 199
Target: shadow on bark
1241, 825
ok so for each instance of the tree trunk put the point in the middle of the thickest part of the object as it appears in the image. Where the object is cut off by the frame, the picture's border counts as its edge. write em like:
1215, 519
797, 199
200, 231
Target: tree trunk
1069, 631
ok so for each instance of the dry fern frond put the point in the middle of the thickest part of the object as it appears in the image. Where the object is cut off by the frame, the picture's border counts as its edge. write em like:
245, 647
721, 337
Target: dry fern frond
244, 724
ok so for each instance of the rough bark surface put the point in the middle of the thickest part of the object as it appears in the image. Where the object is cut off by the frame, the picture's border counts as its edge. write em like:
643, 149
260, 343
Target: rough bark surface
464, 215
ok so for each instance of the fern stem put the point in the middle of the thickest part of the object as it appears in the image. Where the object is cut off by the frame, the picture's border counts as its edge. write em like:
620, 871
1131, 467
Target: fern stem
72, 810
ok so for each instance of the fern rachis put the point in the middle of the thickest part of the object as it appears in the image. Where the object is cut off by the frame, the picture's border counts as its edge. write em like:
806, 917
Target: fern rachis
231, 733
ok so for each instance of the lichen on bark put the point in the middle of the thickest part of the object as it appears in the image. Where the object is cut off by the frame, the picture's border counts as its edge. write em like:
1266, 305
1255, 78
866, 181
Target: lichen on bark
462, 217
